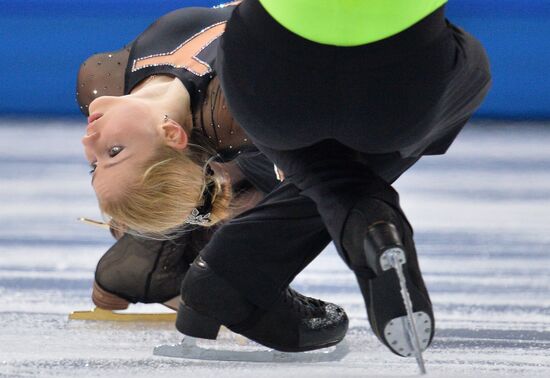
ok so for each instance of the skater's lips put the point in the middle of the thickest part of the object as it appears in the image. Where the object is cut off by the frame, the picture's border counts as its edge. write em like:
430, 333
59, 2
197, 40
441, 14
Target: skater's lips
94, 117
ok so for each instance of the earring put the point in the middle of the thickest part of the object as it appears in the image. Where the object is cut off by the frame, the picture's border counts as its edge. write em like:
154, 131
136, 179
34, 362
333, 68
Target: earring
165, 119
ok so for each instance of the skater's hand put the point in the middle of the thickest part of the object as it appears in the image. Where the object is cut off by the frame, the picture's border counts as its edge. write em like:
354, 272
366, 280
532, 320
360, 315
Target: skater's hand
117, 230
229, 171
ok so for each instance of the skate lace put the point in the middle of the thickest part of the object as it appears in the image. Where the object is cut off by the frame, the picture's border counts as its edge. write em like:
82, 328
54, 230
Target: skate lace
307, 306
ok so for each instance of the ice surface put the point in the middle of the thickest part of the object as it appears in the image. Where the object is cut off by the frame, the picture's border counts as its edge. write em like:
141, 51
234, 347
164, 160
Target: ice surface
482, 220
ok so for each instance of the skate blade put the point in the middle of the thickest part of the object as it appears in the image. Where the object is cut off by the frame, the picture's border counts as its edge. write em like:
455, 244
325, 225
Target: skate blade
397, 335
188, 349
100, 314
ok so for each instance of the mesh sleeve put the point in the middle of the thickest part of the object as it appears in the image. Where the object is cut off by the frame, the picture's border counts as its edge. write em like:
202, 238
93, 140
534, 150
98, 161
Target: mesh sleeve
101, 75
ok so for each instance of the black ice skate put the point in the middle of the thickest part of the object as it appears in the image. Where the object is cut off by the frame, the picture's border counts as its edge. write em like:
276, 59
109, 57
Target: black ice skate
295, 323
378, 240
139, 270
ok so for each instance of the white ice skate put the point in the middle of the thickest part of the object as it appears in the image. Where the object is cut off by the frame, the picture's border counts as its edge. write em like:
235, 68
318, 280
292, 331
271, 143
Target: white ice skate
246, 351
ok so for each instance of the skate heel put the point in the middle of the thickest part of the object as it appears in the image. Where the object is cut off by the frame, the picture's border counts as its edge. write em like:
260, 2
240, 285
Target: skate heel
381, 239
191, 323
107, 301
396, 333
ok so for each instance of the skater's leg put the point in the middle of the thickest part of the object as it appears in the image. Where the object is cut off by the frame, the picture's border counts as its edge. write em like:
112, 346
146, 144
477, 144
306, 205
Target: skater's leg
137, 269
262, 250
361, 211
241, 280
335, 178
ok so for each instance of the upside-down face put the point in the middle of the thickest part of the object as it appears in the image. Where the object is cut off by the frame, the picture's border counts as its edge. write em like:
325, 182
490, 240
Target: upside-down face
122, 135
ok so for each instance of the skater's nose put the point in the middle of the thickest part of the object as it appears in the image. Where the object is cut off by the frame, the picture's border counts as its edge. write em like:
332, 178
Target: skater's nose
90, 138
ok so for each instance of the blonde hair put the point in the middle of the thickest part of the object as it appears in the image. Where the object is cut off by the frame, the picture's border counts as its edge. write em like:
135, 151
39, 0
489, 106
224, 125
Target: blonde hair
171, 185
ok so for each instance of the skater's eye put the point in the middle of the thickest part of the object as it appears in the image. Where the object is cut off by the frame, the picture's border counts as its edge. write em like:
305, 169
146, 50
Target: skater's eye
93, 166
115, 150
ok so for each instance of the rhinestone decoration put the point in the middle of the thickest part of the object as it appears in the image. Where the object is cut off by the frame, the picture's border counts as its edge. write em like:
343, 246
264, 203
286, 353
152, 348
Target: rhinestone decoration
196, 218
224, 5
209, 68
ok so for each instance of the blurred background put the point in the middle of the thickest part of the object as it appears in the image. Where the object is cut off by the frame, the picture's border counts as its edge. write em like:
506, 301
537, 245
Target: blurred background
43, 42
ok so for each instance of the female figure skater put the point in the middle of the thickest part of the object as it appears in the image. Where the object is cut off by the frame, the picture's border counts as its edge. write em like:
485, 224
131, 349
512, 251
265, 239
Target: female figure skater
343, 96
155, 108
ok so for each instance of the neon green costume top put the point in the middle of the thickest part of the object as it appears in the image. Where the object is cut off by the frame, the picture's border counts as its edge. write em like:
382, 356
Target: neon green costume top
349, 22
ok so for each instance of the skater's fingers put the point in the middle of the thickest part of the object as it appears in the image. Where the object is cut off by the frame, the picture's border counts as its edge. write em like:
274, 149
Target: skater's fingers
117, 230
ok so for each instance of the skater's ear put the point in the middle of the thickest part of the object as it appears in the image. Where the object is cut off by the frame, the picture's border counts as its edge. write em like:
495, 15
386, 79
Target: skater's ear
174, 135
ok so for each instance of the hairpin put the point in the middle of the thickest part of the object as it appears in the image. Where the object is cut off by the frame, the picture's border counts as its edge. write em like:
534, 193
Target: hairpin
197, 218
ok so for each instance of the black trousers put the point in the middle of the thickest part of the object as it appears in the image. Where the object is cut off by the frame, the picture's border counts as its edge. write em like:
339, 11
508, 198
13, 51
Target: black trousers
263, 249
342, 123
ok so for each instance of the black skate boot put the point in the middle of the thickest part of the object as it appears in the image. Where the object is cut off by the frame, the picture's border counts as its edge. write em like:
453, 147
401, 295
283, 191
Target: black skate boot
142, 270
379, 243
295, 323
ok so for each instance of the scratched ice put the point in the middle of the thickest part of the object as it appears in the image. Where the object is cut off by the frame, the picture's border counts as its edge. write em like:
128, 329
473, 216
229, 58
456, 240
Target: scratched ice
482, 220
